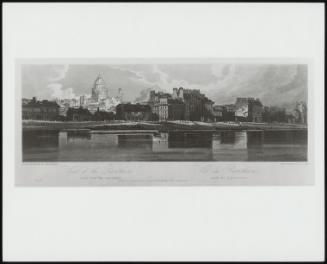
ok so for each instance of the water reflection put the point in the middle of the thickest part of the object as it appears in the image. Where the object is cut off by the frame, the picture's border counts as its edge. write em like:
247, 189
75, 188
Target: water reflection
227, 137
135, 141
190, 140
285, 137
255, 139
40, 139
73, 135
40, 145
172, 146
230, 146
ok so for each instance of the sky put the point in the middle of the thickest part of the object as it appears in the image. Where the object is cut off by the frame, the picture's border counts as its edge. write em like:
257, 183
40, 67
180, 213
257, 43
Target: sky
275, 85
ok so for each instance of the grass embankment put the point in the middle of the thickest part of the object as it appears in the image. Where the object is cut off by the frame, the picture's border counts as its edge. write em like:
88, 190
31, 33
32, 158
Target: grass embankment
160, 126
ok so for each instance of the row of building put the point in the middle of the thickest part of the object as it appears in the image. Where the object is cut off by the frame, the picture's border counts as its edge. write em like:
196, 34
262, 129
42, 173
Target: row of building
163, 107
98, 100
181, 104
51, 110
190, 104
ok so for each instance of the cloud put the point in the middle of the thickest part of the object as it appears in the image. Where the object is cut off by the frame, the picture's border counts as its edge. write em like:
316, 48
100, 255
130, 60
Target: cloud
60, 73
59, 92
197, 74
144, 95
145, 72
81, 78
273, 84
221, 71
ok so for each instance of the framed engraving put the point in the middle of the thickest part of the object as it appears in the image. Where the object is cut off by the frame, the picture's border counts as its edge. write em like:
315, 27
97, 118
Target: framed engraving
104, 121
163, 132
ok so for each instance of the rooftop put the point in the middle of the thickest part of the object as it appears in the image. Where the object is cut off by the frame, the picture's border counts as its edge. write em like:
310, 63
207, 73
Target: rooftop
43, 103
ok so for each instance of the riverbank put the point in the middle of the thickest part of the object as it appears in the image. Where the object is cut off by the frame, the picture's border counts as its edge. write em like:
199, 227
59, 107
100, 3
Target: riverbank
160, 126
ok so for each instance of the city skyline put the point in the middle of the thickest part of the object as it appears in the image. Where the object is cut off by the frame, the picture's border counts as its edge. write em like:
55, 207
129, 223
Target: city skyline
166, 112
223, 83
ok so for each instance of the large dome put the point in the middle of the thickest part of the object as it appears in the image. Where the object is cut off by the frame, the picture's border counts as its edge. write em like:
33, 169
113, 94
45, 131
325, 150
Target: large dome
99, 90
99, 81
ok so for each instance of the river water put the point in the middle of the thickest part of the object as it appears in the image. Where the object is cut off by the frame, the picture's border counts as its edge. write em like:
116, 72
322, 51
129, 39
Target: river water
50, 146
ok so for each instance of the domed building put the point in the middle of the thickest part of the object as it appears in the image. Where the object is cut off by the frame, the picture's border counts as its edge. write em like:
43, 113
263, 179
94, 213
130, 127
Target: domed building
100, 99
99, 90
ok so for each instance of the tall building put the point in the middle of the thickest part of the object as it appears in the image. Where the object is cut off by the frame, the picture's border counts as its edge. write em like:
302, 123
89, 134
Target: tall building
183, 104
248, 109
164, 107
197, 106
99, 90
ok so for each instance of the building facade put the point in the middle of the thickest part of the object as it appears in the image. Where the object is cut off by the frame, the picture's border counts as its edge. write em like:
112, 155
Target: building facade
182, 104
224, 113
78, 114
197, 106
161, 105
229, 112
248, 109
133, 112
274, 114
218, 111
40, 110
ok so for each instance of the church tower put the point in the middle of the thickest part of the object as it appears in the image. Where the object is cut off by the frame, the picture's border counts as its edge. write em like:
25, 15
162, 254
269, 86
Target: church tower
99, 90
